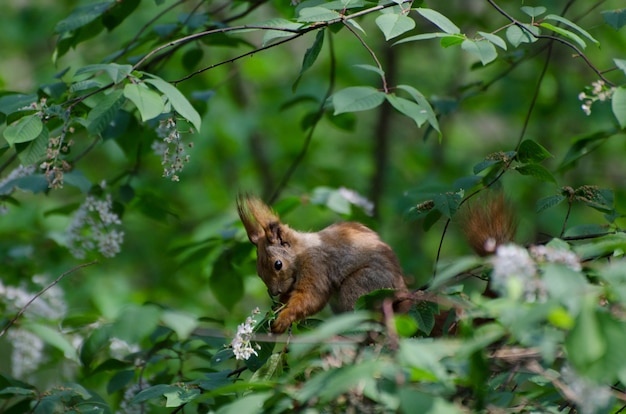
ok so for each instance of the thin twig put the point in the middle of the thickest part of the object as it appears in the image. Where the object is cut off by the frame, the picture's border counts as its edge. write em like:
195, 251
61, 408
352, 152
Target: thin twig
371, 52
318, 116
34, 298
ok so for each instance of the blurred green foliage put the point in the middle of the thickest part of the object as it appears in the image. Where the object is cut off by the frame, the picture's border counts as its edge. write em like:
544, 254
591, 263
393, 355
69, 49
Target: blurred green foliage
414, 105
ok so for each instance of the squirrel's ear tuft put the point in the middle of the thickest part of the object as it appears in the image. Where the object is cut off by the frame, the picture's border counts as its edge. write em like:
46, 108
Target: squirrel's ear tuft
258, 219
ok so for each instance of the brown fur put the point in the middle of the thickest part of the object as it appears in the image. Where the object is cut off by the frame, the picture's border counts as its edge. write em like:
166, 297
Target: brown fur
488, 223
337, 264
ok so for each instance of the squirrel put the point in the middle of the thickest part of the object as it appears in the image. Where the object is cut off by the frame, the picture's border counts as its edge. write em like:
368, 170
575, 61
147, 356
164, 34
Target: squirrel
340, 263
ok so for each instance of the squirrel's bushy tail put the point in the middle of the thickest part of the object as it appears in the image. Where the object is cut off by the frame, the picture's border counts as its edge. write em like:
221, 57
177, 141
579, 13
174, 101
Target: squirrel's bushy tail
489, 222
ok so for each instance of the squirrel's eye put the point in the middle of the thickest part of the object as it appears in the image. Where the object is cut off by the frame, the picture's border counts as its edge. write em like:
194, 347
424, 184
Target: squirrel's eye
278, 265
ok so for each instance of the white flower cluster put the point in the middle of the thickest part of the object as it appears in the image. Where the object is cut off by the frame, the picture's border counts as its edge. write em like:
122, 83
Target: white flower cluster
242, 347
125, 405
18, 172
597, 92
358, 200
589, 397
171, 149
27, 348
515, 267
95, 226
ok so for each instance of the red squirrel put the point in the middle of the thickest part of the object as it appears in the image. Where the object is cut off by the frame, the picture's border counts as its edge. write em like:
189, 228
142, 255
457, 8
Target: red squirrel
345, 260
306, 271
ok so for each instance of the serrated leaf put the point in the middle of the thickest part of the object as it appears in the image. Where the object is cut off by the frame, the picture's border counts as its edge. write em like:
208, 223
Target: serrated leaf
408, 108
618, 105
532, 152
439, 20
278, 23
548, 202
116, 72
565, 33
32, 152
393, 25
615, 18
536, 171
104, 111
516, 35
495, 39
26, 129
572, 25
16, 102
483, 49
148, 102
534, 11
317, 14
357, 98
177, 99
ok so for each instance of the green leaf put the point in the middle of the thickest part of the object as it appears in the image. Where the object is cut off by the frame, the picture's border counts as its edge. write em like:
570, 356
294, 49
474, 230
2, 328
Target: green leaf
104, 111
32, 152
449, 271
408, 108
621, 64
572, 25
148, 102
181, 323
534, 11
116, 72
495, 39
54, 338
583, 146
393, 25
516, 35
77, 179
483, 49
357, 98
585, 343
610, 245
532, 152
224, 282
180, 395
136, 322
83, 15
120, 380
615, 18
26, 129
317, 14
251, 403
16, 102
548, 202
310, 56
565, 33
439, 20
536, 171
278, 23
370, 68
618, 105
453, 39
177, 99
424, 105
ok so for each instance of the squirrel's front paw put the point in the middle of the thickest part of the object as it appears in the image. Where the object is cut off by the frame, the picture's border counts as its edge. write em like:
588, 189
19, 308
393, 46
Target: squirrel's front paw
281, 324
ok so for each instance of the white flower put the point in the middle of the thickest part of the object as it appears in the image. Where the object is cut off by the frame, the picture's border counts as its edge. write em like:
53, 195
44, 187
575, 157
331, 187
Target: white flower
94, 227
551, 255
242, 347
514, 271
358, 200
27, 353
171, 149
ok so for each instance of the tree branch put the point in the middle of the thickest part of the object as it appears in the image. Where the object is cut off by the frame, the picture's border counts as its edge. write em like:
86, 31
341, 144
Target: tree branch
44, 290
